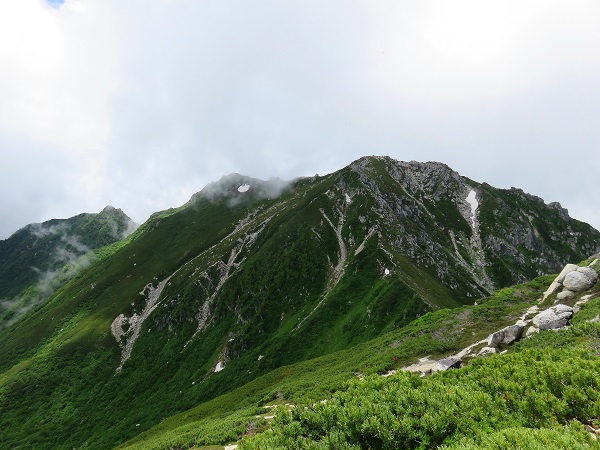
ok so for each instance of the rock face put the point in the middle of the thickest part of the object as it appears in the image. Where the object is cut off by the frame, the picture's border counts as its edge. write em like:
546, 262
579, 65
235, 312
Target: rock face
506, 335
581, 279
554, 317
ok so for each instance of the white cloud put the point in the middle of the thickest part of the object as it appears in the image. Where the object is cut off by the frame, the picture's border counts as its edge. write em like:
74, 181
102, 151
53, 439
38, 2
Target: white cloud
140, 104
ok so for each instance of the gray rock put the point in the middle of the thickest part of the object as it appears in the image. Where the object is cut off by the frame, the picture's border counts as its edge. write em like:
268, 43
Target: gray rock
558, 281
554, 317
568, 269
565, 295
531, 330
446, 363
487, 351
506, 335
581, 279
553, 289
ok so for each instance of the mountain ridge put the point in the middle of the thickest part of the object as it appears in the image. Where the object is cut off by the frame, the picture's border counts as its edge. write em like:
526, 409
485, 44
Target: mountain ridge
237, 283
40, 257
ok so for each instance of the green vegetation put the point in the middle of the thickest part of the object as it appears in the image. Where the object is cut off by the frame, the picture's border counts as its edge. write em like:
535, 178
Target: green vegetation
39, 258
307, 383
353, 274
537, 396
531, 389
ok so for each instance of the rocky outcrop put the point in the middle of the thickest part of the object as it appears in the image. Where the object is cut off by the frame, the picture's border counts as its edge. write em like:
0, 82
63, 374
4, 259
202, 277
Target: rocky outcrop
552, 318
487, 351
581, 279
506, 335
447, 363
572, 280
557, 284
472, 242
556, 316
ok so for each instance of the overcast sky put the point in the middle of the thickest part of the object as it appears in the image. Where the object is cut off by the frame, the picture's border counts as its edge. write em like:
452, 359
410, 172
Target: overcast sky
140, 103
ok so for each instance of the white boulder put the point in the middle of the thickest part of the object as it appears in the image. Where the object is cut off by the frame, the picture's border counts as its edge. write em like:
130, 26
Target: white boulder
531, 330
581, 279
558, 281
554, 317
567, 270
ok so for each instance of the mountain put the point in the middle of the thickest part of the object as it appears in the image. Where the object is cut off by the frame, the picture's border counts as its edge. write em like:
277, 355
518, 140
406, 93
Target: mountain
250, 276
529, 378
38, 258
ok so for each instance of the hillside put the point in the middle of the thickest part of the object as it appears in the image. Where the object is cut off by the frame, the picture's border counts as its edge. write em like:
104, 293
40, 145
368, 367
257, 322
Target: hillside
250, 276
38, 258
540, 392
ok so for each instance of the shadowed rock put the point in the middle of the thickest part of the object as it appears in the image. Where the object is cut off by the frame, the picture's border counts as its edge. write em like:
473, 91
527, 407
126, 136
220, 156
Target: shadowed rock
506, 335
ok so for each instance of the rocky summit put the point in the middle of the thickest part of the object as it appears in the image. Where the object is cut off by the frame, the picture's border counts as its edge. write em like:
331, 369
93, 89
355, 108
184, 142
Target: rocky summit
236, 296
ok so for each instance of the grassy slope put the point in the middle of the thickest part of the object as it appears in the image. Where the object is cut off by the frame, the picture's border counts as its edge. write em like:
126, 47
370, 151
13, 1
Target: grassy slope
63, 359
228, 417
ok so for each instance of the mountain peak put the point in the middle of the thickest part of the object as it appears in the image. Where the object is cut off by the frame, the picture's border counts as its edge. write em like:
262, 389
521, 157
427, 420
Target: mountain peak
236, 187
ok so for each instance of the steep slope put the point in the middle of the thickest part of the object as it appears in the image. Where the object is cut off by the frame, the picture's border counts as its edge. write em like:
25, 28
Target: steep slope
251, 275
456, 410
38, 258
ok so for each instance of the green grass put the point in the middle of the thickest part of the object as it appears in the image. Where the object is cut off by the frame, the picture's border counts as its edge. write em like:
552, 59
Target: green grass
437, 333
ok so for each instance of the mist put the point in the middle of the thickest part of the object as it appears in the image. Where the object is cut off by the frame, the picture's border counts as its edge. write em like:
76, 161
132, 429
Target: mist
70, 256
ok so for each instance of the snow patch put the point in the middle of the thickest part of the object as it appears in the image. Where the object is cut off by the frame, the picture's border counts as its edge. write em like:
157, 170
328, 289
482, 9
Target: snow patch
219, 367
472, 200
386, 272
348, 199
244, 188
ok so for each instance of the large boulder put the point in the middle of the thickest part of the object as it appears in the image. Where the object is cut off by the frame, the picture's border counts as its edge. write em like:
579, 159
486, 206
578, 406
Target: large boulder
506, 335
554, 317
567, 270
581, 279
558, 281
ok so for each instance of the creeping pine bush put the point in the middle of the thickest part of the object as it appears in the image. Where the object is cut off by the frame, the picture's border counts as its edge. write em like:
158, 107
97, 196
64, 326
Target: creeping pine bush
499, 399
572, 436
